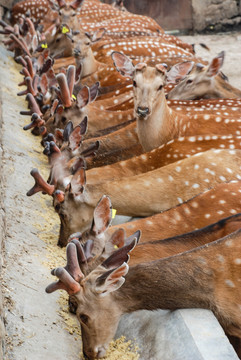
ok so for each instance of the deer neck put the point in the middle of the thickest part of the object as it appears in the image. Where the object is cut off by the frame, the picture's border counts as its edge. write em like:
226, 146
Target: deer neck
160, 127
90, 64
171, 283
223, 89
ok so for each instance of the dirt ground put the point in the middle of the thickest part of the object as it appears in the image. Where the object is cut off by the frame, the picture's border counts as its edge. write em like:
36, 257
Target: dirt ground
38, 325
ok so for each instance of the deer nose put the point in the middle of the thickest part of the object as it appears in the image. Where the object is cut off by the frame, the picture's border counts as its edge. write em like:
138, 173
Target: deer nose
77, 52
142, 111
101, 353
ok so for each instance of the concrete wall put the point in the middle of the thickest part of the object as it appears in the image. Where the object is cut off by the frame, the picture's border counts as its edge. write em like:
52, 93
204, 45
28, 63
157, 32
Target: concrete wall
2, 233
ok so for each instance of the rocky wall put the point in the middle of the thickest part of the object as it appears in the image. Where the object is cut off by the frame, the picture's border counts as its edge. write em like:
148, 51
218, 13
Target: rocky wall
215, 14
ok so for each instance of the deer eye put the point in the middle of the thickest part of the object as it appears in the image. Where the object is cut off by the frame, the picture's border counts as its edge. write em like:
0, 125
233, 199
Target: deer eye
189, 81
57, 207
83, 318
57, 40
160, 87
134, 83
87, 43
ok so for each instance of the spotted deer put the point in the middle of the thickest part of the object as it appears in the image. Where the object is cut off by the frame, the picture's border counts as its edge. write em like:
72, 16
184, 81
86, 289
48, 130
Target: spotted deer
95, 250
169, 153
36, 9
206, 277
156, 122
145, 194
205, 82
77, 107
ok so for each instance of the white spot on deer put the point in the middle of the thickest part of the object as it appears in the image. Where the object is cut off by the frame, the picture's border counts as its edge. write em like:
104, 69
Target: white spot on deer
160, 180
237, 261
148, 222
196, 186
206, 117
229, 243
220, 258
233, 211
229, 283
222, 202
127, 187
207, 216
222, 178
218, 119
178, 169
195, 204
144, 157
170, 178
180, 200
187, 210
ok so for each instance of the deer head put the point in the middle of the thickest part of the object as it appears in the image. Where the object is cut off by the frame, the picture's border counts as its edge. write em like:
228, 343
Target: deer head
93, 296
202, 82
148, 82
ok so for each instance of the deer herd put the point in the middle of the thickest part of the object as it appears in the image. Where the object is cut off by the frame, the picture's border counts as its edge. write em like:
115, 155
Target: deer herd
129, 117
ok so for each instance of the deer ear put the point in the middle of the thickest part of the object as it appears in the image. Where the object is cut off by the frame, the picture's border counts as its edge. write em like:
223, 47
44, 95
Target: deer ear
76, 4
118, 238
78, 182
83, 97
179, 71
76, 136
120, 256
98, 34
94, 91
123, 64
102, 215
215, 64
111, 280
67, 131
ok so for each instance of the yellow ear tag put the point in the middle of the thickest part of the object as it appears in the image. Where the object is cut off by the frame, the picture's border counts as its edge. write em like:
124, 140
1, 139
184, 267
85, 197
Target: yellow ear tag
65, 30
113, 213
44, 46
73, 96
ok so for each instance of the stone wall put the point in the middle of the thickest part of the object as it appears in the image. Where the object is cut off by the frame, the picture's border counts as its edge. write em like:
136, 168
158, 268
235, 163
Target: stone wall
215, 14
189, 15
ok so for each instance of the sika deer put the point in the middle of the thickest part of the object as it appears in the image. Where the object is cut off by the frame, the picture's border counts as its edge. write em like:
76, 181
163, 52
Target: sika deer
95, 254
205, 82
149, 193
169, 153
206, 277
156, 122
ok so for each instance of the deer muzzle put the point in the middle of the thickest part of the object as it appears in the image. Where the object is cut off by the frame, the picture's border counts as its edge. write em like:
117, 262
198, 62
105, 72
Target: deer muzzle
142, 111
